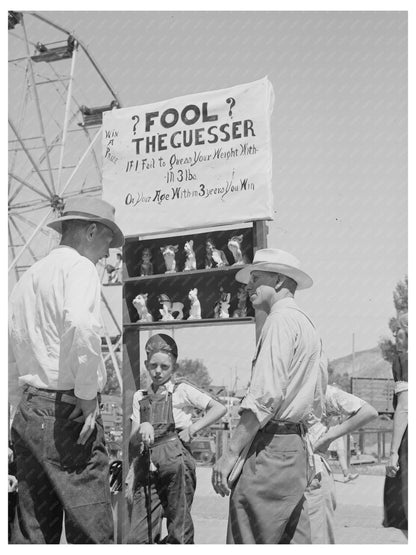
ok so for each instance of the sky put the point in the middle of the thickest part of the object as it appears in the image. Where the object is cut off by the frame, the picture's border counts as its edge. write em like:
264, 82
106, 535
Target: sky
339, 140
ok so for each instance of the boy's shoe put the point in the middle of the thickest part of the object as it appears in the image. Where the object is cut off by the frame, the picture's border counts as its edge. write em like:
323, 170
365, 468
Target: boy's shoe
350, 477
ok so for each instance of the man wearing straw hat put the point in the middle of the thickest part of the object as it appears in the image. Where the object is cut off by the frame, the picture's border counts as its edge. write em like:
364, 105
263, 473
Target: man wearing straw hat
57, 371
267, 503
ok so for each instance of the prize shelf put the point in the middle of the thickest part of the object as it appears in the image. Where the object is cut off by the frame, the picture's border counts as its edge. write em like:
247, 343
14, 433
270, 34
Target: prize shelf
184, 274
178, 323
208, 282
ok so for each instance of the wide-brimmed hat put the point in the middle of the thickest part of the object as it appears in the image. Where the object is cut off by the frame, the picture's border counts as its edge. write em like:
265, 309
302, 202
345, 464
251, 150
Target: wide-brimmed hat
278, 261
91, 209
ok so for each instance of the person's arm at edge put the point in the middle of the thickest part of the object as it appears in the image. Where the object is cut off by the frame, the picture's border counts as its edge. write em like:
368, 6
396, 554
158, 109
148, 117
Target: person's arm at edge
365, 414
400, 420
215, 410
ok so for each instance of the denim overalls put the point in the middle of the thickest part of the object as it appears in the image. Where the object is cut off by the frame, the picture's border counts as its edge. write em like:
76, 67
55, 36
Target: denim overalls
172, 484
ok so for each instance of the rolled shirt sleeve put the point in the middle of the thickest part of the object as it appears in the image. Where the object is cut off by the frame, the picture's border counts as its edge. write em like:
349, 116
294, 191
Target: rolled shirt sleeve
400, 386
193, 397
82, 328
342, 404
267, 388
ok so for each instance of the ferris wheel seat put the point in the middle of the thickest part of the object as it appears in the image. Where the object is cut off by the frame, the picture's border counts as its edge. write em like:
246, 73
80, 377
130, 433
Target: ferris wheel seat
54, 54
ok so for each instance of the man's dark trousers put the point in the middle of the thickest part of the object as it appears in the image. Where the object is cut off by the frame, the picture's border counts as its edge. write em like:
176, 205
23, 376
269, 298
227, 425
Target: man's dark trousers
57, 477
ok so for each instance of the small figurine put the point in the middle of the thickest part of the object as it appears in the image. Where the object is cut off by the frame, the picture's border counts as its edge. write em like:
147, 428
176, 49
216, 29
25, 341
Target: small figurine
234, 245
241, 310
168, 252
195, 310
166, 314
214, 257
170, 310
190, 263
146, 267
140, 304
222, 305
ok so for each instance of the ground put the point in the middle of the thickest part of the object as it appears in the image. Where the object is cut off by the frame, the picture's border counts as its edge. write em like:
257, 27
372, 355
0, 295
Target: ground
358, 516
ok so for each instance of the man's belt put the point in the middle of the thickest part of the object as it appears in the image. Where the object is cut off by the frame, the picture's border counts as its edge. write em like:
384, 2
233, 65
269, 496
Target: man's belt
281, 427
64, 395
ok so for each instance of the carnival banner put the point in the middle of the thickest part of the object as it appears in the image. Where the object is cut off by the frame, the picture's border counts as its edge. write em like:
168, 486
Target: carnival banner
189, 162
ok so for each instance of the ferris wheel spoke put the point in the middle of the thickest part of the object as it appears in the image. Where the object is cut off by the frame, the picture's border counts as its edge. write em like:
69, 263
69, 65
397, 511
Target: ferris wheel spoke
37, 103
22, 113
11, 245
27, 243
31, 205
66, 117
29, 223
24, 183
84, 191
35, 167
23, 238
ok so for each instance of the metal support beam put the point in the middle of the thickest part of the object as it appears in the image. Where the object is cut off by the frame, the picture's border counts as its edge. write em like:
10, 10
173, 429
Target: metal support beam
113, 358
29, 223
37, 103
111, 313
22, 237
67, 108
25, 184
29, 156
16, 273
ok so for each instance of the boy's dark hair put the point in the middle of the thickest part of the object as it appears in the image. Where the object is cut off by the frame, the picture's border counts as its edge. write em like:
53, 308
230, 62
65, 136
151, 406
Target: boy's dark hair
161, 342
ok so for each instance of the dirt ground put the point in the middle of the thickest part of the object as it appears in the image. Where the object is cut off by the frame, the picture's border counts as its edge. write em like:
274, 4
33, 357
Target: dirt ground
358, 515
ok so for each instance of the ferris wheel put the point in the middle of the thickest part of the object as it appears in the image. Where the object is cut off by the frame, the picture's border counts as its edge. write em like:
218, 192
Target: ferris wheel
57, 95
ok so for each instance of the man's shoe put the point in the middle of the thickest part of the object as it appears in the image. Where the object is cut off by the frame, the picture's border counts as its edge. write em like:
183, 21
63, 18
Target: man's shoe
350, 477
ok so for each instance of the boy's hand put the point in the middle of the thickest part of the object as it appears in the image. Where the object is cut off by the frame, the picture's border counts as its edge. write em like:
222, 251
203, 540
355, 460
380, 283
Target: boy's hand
323, 443
186, 434
12, 483
147, 433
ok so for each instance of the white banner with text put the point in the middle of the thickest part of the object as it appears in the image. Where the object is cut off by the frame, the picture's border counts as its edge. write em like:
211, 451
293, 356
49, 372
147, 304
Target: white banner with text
195, 161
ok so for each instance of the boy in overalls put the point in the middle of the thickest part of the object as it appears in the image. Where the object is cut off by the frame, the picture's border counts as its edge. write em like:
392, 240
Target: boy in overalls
162, 477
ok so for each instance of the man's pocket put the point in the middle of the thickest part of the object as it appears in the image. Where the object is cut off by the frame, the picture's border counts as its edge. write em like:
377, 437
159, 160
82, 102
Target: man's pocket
60, 443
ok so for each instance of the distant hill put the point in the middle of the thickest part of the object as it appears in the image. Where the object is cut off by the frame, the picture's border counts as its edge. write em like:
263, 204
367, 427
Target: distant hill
368, 364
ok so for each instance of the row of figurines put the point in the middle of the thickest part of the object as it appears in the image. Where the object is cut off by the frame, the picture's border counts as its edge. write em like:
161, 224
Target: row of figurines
174, 310
214, 258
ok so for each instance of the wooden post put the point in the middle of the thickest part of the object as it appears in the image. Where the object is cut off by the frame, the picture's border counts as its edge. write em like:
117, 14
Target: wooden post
361, 441
260, 235
225, 436
218, 444
348, 454
260, 232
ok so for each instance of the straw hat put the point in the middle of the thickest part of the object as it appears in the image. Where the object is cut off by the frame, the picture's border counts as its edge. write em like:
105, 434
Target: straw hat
90, 209
278, 261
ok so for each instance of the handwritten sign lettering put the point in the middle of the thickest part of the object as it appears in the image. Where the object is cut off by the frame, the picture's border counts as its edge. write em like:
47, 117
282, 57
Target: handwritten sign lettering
189, 162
